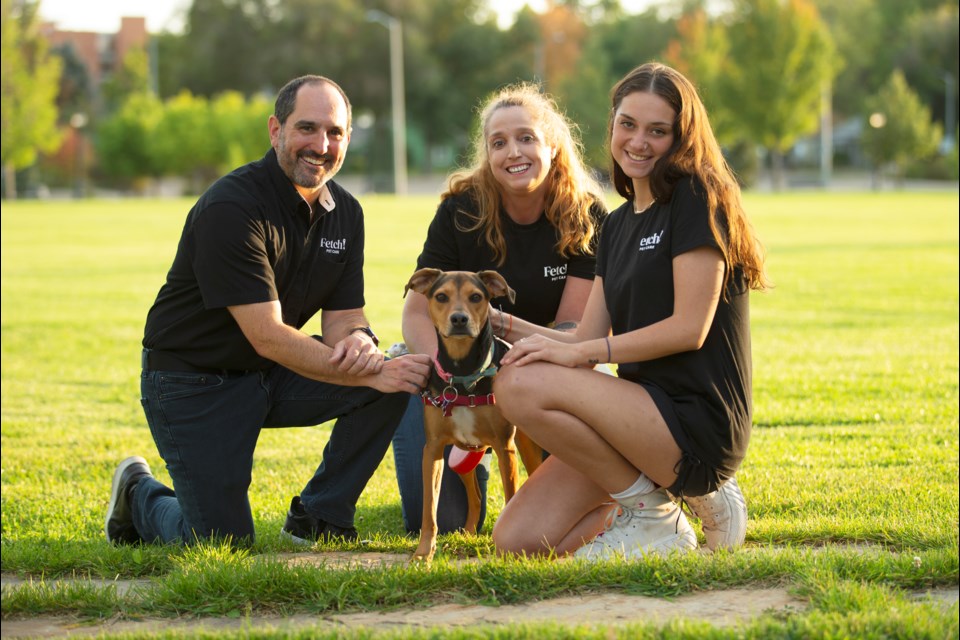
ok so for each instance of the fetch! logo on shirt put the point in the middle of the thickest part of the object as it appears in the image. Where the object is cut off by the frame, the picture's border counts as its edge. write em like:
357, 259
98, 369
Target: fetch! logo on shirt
651, 241
334, 246
555, 273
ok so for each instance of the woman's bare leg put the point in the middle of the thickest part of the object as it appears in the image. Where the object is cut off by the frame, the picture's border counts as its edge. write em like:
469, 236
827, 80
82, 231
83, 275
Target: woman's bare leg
607, 428
607, 439
556, 509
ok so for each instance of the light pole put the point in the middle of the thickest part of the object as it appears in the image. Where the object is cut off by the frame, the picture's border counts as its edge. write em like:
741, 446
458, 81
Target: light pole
78, 121
398, 111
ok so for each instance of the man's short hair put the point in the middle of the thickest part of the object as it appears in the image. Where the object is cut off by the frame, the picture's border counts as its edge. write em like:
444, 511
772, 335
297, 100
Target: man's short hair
287, 98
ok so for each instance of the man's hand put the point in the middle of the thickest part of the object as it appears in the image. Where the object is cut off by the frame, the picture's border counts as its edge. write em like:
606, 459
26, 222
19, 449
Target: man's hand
408, 373
357, 355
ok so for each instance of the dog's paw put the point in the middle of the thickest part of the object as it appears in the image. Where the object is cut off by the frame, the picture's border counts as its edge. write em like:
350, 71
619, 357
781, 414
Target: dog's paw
422, 558
397, 349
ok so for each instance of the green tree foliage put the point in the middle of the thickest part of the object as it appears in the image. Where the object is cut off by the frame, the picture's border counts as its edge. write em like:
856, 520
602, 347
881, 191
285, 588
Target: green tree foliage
899, 129
125, 139
930, 52
186, 135
633, 40
226, 45
132, 78
700, 51
186, 142
241, 128
781, 58
30, 81
585, 93
614, 45
875, 36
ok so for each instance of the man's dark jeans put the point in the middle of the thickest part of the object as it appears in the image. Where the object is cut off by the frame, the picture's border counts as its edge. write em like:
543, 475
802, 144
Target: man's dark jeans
206, 428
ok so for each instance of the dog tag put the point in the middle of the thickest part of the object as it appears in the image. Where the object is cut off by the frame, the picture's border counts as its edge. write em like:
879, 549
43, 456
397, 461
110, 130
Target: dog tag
463, 461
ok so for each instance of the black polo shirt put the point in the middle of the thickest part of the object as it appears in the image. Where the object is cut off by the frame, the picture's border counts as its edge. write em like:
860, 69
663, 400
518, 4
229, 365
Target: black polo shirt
250, 239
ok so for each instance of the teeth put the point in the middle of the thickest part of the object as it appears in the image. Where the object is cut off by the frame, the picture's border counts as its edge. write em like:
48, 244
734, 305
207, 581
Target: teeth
634, 156
518, 168
314, 161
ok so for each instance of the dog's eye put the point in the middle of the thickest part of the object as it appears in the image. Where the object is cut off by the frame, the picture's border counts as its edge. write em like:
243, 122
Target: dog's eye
441, 297
476, 297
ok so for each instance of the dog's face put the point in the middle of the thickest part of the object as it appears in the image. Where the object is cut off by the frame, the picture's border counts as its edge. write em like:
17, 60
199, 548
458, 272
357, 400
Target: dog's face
458, 301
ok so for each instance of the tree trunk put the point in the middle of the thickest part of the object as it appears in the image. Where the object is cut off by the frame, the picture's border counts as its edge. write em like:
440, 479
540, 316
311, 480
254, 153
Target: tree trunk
778, 173
9, 181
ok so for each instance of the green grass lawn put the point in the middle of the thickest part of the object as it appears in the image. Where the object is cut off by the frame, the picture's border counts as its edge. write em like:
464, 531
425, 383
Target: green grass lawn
851, 476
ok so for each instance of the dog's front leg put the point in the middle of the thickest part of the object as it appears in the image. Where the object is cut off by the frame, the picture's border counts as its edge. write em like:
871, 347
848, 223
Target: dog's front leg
432, 476
530, 452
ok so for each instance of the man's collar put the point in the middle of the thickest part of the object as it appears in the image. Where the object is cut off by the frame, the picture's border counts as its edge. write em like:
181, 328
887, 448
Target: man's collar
325, 199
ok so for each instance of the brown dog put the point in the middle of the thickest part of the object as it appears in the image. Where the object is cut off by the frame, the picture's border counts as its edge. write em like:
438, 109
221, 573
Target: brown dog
459, 406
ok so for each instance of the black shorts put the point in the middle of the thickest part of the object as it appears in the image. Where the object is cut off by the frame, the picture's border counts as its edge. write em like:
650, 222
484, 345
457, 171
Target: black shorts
694, 477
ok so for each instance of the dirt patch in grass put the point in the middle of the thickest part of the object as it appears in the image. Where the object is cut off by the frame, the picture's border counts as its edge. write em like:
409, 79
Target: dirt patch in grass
720, 608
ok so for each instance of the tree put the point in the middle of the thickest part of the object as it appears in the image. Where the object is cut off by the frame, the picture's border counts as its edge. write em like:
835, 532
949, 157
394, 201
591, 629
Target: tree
586, 95
31, 81
700, 51
132, 78
227, 44
124, 139
930, 52
899, 129
562, 35
781, 58
185, 141
241, 128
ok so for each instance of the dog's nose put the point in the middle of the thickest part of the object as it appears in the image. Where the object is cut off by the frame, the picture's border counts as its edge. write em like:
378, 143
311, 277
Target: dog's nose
459, 320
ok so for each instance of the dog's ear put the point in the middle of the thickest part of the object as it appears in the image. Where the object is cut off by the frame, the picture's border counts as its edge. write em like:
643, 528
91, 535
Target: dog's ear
422, 280
496, 285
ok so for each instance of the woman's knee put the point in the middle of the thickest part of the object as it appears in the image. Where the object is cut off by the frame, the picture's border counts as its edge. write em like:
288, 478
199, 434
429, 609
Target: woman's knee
516, 388
507, 538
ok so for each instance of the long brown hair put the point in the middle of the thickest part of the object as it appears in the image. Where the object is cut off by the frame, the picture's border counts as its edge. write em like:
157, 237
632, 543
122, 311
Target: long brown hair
694, 153
572, 189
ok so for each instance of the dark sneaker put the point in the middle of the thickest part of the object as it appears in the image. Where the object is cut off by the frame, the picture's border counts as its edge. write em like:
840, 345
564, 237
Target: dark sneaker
303, 528
119, 522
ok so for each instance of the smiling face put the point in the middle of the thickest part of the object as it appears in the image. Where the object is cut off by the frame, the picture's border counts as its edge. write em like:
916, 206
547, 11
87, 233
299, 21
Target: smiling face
312, 143
517, 151
642, 134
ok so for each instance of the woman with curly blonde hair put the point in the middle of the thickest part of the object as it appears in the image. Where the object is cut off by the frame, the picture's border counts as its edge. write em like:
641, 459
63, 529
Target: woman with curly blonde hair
527, 207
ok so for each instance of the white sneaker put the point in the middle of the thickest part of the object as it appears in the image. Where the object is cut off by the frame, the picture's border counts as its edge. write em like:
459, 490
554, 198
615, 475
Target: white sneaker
655, 526
723, 514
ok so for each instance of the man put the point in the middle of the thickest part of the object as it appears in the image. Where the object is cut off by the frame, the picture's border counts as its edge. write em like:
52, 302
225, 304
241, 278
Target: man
262, 251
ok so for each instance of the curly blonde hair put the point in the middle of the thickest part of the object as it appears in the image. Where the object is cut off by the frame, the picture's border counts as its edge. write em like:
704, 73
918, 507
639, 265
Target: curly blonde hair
572, 190
694, 152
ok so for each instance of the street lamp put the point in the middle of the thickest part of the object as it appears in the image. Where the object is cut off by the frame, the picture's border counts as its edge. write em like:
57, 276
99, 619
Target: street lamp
78, 121
395, 26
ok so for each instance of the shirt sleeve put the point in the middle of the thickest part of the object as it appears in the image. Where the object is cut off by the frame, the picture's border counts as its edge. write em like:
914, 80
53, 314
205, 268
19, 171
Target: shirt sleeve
440, 250
230, 259
584, 265
690, 218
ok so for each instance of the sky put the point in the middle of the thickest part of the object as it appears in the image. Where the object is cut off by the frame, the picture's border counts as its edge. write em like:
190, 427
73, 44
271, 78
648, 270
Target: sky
167, 15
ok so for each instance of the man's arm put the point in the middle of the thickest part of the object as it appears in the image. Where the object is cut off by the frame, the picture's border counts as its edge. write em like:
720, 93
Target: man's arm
263, 326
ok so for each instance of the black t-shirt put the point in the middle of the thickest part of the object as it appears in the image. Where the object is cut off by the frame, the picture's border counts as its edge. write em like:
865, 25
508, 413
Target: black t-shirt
533, 268
709, 389
249, 239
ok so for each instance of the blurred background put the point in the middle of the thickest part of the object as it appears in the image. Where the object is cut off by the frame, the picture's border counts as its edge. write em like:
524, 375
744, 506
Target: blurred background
801, 93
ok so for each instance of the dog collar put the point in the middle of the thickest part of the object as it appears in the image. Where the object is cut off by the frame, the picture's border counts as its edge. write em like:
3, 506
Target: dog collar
487, 370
